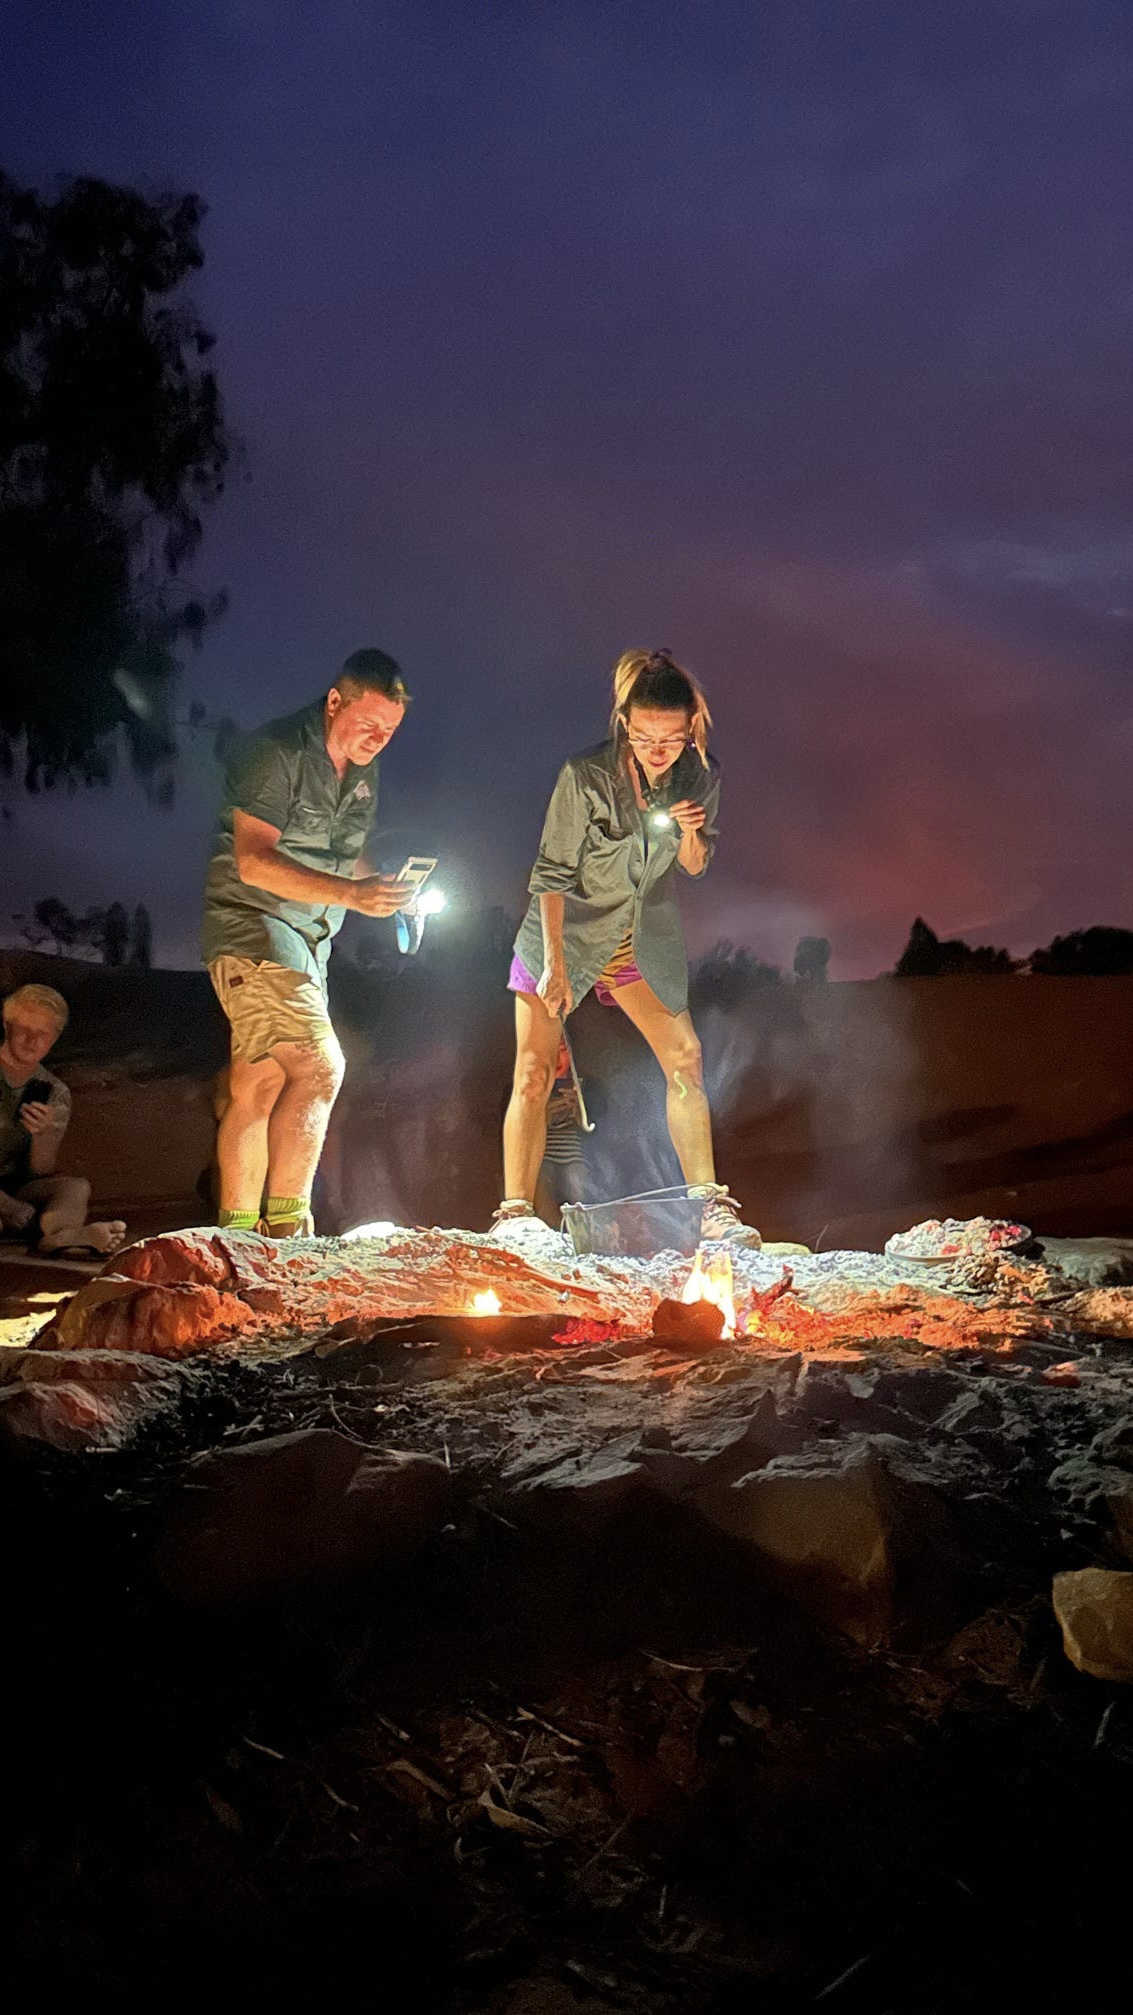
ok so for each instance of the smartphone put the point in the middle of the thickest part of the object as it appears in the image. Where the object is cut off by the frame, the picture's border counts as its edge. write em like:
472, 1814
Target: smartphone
417, 870
37, 1091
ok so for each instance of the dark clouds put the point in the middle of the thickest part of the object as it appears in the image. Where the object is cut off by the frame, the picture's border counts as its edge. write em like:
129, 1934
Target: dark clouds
796, 337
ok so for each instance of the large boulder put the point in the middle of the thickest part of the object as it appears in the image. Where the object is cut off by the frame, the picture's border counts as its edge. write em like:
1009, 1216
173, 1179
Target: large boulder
1094, 1606
77, 1400
303, 1508
824, 1523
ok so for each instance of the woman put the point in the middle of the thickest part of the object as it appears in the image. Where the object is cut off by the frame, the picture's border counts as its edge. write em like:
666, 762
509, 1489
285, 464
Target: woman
623, 817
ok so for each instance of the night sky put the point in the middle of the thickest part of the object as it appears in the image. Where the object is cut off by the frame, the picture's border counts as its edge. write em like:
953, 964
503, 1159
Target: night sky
797, 337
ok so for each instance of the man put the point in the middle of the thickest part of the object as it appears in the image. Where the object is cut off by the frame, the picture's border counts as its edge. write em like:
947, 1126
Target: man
286, 866
34, 1110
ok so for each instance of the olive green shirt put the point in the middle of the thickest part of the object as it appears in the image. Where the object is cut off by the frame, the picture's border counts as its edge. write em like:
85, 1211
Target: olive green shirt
615, 871
15, 1140
283, 775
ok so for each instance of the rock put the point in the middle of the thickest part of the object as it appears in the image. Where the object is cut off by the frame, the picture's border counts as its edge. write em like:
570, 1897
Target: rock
296, 1509
825, 1522
1094, 1606
75, 1402
586, 1490
691, 1325
719, 1451
1119, 1498
179, 1320
1114, 1444
1091, 1262
1099, 1311
204, 1257
1087, 1486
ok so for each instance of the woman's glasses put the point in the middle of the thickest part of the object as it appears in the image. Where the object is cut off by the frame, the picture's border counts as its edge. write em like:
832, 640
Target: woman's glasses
646, 746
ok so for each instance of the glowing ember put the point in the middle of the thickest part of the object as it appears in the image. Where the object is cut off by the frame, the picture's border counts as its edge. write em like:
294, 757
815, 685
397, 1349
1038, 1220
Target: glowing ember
712, 1281
487, 1302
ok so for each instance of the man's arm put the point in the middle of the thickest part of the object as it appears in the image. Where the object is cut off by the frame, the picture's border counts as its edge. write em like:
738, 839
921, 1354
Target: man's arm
46, 1123
260, 864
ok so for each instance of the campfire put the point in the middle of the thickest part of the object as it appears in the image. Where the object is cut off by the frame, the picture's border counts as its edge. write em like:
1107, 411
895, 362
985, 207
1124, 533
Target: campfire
711, 1280
487, 1302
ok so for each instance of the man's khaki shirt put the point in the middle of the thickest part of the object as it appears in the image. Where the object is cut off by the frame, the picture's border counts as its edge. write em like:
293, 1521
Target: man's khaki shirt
283, 775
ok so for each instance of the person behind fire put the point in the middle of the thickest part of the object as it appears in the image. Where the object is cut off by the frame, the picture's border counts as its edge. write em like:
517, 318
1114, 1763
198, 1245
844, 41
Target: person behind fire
287, 864
624, 818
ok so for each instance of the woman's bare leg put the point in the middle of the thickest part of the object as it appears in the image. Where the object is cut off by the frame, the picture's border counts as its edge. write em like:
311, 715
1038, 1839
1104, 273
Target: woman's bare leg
537, 1037
675, 1045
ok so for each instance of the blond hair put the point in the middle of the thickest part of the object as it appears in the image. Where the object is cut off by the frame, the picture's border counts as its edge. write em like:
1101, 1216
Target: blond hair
654, 679
32, 995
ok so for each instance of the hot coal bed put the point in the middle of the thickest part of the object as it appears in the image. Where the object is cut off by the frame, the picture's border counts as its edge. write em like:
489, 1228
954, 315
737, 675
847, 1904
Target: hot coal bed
526, 1632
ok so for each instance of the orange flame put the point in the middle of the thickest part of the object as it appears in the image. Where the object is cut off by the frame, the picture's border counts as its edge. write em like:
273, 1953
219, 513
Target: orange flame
487, 1302
712, 1281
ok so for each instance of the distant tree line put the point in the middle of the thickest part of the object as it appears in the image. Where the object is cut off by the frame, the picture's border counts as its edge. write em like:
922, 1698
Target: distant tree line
1100, 952
112, 934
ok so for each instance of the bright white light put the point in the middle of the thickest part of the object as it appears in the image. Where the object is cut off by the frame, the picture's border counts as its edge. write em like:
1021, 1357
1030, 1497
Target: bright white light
660, 820
431, 902
382, 1229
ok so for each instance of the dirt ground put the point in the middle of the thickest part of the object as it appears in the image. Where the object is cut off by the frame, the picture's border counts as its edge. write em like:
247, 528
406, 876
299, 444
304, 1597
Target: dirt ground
580, 1752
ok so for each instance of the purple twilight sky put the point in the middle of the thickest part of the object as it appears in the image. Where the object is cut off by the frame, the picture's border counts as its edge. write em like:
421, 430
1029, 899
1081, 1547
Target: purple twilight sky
795, 336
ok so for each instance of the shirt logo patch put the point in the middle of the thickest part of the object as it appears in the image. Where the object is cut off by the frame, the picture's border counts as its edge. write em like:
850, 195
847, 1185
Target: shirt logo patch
362, 790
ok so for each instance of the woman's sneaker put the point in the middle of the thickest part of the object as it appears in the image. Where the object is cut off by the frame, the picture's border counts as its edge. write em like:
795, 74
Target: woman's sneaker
720, 1220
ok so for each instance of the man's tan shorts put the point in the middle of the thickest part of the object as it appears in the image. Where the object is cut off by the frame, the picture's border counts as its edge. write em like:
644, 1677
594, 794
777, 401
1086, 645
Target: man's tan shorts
268, 1004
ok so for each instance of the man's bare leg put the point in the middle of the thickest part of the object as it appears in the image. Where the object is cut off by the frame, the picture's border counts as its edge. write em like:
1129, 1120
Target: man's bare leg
537, 1037
62, 1202
242, 1137
312, 1078
675, 1045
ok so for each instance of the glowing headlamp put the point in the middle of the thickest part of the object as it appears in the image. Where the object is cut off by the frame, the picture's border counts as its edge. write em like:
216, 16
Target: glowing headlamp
431, 902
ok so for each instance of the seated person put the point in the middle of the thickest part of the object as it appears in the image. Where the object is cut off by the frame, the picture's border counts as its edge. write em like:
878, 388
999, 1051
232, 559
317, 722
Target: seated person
34, 1110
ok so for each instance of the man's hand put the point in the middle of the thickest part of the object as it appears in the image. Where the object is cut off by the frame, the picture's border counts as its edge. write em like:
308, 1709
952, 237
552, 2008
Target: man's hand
688, 815
378, 895
36, 1117
554, 989
15, 1215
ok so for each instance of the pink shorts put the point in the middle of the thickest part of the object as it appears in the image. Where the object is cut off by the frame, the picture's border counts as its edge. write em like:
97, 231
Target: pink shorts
520, 981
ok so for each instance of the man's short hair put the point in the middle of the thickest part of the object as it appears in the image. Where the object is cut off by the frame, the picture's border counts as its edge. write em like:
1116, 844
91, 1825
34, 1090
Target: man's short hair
40, 997
372, 671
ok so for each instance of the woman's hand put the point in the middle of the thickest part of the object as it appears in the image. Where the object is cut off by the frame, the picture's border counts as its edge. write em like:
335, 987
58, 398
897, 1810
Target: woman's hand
36, 1117
688, 815
554, 989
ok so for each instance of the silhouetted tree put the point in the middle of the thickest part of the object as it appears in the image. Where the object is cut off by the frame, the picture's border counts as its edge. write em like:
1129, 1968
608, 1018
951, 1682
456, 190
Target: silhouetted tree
812, 957
928, 957
60, 923
115, 935
1100, 951
112, 441
141, 938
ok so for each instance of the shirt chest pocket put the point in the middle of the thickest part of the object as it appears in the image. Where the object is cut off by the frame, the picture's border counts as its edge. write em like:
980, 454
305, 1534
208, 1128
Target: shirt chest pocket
607, 831
308, 828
